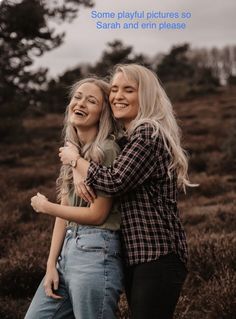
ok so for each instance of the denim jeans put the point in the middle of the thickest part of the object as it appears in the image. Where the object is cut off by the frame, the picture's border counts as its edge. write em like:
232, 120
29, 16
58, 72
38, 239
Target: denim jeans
90, 277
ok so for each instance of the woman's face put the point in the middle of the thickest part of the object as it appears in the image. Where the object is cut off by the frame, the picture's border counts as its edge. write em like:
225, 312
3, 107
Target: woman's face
86, 106
124, 98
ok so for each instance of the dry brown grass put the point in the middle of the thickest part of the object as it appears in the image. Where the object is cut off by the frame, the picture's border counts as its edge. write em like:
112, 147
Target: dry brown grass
208, 212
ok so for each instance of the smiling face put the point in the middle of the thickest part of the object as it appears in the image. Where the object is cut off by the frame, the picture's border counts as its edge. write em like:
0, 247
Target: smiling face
86, 106
124, 98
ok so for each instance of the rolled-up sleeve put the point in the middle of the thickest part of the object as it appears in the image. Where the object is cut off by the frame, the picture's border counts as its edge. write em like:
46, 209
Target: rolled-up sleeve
141, 157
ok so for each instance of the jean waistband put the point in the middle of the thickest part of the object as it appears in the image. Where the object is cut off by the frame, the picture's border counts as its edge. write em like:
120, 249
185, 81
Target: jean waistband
81, 229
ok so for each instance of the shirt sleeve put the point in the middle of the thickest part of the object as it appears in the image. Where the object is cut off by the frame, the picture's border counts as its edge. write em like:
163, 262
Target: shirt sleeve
141, 157
111, 151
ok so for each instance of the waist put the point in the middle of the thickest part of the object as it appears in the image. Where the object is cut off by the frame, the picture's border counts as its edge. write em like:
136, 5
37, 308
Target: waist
77, 229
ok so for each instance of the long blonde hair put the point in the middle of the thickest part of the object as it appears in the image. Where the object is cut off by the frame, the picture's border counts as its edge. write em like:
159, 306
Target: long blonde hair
90, 151
156, 109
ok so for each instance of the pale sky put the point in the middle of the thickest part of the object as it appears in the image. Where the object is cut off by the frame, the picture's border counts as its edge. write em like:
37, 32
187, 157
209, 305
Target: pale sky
212, 23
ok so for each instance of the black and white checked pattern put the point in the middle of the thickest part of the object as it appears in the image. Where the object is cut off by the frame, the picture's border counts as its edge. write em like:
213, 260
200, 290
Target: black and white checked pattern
150, 220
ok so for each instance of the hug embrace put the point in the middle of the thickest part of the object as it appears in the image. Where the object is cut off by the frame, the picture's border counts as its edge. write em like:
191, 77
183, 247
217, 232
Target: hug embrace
117, 227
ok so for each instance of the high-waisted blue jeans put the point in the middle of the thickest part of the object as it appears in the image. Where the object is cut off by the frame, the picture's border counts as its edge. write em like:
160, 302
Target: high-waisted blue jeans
90, 277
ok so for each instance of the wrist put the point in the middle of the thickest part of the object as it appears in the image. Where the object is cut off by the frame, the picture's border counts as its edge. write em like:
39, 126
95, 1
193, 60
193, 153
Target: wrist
51, 263
74, 162
45, 207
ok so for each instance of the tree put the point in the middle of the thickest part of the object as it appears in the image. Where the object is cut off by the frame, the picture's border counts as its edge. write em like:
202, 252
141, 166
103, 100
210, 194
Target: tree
24, 34
116, 53
54, 98
176, 65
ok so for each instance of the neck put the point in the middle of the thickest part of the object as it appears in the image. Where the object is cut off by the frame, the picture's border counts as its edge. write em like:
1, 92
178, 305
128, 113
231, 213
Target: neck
126, 124
87, 135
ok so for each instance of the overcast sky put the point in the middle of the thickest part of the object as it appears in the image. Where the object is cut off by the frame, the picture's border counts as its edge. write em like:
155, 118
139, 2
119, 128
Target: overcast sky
212, 23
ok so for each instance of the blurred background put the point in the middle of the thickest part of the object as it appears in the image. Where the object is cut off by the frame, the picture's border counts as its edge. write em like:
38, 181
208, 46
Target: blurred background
45, 46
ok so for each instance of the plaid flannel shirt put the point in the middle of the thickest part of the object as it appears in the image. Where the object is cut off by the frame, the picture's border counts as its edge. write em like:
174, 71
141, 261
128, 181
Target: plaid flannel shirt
150, 221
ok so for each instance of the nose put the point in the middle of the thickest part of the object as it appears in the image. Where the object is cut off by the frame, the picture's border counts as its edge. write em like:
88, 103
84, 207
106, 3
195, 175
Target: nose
81, 102
118, 95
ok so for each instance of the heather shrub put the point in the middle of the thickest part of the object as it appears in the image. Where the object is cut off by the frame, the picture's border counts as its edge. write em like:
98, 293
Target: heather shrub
213, 299
210, 186
198, 162
209, 254
208, 219
13, 308
25, 265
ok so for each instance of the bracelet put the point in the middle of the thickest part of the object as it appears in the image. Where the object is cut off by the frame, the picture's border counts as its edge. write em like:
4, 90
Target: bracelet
73, 163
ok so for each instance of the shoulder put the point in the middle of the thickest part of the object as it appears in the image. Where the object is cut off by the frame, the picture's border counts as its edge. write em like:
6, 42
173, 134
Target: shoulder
146, 133
143, 131
110, 144
111, 150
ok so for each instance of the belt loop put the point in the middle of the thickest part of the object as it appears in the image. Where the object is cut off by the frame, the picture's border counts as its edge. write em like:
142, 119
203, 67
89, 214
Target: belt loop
75, 231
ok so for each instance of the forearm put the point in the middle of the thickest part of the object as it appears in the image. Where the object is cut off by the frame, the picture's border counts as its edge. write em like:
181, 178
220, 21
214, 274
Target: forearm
132, 167
57, 241
82, 167
81, 215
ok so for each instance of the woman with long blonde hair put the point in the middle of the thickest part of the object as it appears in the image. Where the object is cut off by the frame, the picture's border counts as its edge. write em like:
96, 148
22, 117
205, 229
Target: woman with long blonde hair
148, 173
84, 270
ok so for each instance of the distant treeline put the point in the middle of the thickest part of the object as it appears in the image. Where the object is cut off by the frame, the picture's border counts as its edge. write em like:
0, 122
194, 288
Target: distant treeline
183, 71
26, 34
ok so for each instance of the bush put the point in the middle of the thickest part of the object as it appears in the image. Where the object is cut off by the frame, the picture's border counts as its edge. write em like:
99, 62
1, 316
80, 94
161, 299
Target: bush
209, 254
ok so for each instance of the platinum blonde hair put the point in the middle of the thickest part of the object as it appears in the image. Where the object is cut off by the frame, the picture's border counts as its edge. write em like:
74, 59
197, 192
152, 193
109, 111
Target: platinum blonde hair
90, 151
156, 109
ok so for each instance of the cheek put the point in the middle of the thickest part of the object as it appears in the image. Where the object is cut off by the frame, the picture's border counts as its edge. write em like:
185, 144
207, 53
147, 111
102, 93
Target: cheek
96, 114
112, 108
111, 97
70, 107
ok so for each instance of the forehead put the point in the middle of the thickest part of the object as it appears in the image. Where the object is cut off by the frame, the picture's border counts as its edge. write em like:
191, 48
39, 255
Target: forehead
90, 89
122, 79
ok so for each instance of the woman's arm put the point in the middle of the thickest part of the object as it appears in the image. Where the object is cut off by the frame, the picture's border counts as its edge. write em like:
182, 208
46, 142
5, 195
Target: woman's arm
96, 214
57, 240
51, 281
140, 158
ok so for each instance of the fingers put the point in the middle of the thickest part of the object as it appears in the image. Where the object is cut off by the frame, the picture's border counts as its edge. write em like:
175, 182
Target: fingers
69, 144
33, 203
49, 292
55, 284
85, 192
91, 192
41, 195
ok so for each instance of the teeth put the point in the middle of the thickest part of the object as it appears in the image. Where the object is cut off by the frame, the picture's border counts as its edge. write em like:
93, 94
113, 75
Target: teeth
80, 113
120, 105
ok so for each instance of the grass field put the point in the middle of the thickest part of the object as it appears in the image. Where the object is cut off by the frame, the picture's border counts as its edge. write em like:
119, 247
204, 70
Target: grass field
208, 212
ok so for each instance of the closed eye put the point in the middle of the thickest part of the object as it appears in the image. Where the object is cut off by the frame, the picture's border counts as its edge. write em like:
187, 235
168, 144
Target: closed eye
92, 101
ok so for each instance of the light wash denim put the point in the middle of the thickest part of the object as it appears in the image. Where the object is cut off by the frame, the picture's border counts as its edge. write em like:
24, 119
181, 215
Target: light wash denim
91, 277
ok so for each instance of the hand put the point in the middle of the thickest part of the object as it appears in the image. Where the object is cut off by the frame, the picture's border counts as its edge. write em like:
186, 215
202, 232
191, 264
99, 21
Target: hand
51, 282
68, 153
38, 203
81, 189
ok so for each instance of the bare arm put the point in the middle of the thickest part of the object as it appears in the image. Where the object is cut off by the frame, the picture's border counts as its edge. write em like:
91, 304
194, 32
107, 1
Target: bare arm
96, 214
51, 280
57, 241
141, 158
